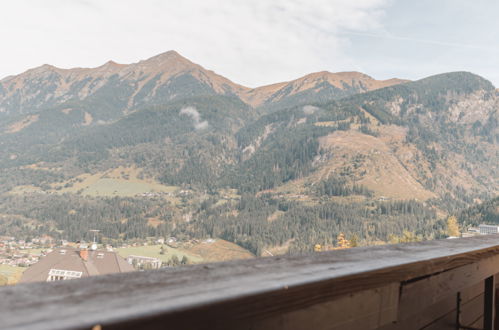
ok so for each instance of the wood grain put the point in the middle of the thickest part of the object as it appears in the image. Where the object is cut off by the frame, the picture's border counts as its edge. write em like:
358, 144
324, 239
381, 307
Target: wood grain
419, 294
238, 294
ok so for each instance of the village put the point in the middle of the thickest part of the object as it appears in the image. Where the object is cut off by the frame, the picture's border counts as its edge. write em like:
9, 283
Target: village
23, 254
17, 255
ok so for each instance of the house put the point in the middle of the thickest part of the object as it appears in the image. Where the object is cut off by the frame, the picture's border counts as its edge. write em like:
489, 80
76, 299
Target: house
71, 263
488, 229
144, 262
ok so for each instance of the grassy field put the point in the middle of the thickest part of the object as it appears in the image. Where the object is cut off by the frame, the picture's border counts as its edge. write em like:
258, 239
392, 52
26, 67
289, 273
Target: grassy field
121, 187
19, 190
205, 251
220, 250
11, 273
153, 251
121, 182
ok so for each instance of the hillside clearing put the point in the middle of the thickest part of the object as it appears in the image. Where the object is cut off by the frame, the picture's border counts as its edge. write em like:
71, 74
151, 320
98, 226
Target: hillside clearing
120, 182
153, 251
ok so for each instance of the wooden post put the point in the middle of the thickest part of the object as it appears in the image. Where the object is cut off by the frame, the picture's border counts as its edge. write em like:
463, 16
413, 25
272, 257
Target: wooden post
458, 311
489, 304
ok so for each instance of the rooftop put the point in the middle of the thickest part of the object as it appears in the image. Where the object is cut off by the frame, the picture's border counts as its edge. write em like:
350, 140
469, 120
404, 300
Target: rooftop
88, 262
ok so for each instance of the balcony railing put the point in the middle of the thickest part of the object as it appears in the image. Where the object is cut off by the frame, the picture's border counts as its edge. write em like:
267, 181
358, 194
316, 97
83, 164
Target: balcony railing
445, 284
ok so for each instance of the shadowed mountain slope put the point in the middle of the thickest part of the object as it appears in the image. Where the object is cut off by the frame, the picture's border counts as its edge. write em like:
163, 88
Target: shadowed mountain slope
278, 167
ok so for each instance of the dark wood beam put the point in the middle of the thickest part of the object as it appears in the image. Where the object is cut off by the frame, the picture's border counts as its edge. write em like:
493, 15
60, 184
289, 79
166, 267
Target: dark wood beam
489, 303
265, 293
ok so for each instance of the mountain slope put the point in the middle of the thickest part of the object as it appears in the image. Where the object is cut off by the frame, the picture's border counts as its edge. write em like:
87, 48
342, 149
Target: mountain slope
160, 79
486, 212
432, 139
157, 80
444, 140
315, 87
281, 167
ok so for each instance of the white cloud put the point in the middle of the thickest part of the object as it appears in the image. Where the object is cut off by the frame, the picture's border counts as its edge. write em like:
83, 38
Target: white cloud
201, 125
251, 42
191, 112
196, 117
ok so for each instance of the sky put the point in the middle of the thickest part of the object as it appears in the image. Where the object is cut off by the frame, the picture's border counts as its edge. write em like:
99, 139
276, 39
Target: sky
257, 42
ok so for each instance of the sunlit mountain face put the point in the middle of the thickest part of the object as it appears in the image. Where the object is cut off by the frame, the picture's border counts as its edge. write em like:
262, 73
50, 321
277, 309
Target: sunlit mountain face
165, 147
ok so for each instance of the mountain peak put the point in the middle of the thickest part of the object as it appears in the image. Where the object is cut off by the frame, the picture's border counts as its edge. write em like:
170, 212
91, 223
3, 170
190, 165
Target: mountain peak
160, 70
168, 64
112, 63
338, 75
341, 83
42, 69
171, 53
339, 79
459, 80
170, 56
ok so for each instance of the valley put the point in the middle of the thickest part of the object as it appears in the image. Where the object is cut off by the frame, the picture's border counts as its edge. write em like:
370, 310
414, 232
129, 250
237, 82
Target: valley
166, 148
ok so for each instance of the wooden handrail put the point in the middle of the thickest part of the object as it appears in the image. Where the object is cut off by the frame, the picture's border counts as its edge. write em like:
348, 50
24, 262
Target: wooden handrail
405, 286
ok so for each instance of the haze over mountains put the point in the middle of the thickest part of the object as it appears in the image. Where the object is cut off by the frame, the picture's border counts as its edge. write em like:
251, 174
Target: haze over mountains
276, 167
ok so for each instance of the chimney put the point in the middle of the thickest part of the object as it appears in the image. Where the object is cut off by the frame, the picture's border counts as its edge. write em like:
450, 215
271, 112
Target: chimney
84, 254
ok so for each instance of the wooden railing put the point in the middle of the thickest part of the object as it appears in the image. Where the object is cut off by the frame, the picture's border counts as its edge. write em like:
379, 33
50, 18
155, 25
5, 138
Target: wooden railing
446, 284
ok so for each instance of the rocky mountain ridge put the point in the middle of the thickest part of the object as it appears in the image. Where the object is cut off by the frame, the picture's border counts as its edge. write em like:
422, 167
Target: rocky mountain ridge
197, 155
164, 77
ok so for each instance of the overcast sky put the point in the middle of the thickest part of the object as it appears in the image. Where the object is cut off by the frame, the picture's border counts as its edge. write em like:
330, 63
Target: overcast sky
257, 42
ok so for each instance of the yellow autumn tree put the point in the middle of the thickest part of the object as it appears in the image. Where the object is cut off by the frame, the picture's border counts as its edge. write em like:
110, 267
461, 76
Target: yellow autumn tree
406, 237
453, 227
354, 240
343, 243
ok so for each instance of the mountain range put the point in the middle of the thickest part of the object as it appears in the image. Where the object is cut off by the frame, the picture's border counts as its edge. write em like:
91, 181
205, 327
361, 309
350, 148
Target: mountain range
164, 78
304, 160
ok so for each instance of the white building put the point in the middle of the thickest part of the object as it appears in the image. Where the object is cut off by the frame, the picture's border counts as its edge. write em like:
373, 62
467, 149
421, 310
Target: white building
488, 229
141, 261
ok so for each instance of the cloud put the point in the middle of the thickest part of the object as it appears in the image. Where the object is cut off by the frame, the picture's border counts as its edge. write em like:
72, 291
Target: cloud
201, 125
310, 109
256, 42
191, 112
196, 117
251, 42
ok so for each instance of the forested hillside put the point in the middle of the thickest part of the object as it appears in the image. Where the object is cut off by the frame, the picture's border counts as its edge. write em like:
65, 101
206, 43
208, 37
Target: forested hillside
486, 212
165, 148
